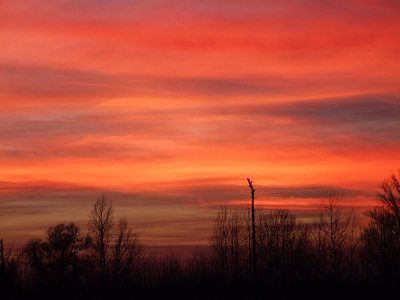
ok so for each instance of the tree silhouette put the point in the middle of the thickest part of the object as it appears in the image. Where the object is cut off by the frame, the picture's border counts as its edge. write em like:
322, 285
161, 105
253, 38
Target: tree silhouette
116, 248
381, 236
55, 259
8, 268
283, 247
253, 239
335, 239
126, 253
381, 248
64, 243
100, 230
4, 259
310, 260
389, 205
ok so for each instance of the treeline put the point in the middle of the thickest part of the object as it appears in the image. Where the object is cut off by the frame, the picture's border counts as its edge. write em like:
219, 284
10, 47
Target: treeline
331, 257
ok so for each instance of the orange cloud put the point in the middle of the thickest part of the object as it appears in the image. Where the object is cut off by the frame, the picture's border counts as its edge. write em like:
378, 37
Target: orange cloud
168, 108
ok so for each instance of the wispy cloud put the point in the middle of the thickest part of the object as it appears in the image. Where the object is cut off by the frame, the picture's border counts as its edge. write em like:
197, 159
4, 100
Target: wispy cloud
168, 106
180, 211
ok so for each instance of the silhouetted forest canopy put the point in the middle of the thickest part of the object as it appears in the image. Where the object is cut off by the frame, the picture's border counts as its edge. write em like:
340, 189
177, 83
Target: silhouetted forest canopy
333, 257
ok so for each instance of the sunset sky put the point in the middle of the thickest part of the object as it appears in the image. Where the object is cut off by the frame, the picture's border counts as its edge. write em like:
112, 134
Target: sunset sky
166, 107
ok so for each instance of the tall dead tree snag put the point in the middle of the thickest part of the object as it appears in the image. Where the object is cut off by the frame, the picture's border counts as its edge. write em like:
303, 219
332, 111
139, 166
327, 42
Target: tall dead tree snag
253, 236
4, 259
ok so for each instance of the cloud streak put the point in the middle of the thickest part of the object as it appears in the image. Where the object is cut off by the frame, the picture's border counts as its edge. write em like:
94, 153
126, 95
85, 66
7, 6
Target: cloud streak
180, 211
168, 106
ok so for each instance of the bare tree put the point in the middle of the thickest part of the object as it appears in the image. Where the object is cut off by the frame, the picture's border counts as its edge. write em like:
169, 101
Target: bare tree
64, 243
4, 258
283, 245
126, 252
8, 268
171, 271
230, 245
380, 249
381, 236
389, 204
56, 257
199, 268
100, 229
35, 257
253, 238
336, 237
